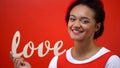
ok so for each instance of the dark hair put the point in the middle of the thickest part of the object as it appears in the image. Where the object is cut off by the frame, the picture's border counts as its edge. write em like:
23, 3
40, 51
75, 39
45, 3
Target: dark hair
97, 7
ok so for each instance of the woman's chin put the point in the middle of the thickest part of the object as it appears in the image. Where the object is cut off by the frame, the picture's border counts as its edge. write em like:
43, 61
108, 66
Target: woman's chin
76, 38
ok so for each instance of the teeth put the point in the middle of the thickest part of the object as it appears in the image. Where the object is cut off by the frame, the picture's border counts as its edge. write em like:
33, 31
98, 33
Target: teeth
76, 31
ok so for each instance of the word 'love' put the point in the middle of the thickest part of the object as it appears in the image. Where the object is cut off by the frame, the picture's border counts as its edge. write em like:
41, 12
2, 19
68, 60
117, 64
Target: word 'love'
30, 45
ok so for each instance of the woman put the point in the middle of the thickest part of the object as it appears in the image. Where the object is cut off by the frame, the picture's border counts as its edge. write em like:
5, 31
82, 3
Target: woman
85, 20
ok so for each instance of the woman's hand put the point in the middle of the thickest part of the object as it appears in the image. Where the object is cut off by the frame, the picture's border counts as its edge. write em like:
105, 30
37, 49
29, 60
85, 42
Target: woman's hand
20, 62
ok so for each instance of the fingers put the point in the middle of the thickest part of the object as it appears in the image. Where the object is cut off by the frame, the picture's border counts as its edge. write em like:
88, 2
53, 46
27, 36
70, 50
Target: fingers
26, 65
19, 62
11, 55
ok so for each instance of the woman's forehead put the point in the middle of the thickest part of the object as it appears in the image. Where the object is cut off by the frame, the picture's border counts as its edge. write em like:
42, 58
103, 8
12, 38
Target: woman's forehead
82, 10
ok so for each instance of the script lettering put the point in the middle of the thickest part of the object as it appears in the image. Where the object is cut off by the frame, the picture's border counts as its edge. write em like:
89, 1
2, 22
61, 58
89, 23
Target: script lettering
30, 45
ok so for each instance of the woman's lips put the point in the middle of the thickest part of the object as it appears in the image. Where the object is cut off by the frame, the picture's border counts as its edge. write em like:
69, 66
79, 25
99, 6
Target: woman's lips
76, 32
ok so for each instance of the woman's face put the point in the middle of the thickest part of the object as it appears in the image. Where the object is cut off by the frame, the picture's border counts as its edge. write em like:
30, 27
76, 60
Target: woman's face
81, 24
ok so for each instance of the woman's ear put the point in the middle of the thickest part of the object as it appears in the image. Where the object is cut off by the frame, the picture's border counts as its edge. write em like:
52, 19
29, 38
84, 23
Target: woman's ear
98, 25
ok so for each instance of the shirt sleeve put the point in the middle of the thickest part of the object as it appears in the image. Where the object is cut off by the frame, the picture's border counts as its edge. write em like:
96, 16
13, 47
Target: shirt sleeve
113, 62
53, 62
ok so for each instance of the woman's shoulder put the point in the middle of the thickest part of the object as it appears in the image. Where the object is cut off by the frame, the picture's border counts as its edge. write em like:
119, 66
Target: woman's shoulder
114, 58
113, 61
53, 62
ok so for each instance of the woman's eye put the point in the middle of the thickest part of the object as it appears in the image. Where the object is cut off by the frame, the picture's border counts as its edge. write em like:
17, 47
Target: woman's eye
85, 21
72, 19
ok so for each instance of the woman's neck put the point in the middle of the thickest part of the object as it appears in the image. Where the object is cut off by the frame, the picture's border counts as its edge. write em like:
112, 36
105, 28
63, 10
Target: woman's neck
85, 49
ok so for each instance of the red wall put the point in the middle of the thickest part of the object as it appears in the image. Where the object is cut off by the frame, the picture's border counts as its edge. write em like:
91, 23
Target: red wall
41, 20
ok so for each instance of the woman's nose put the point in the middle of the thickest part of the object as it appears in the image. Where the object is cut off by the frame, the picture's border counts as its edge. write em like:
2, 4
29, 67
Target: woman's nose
77, 24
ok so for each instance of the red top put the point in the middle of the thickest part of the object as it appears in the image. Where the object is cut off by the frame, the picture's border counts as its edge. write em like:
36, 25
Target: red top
97, 63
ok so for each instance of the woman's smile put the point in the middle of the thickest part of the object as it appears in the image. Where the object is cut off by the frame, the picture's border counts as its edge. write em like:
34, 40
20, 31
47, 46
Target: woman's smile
76, 31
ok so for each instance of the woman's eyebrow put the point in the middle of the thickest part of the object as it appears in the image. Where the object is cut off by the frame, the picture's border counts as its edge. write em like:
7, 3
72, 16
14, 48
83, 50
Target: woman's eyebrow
72, 15
84, 18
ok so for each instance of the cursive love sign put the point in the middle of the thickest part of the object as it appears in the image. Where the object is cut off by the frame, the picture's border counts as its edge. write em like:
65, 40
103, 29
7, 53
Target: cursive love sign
30, 45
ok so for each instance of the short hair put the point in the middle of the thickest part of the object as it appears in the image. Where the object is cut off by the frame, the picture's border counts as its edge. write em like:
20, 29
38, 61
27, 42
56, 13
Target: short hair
97, 7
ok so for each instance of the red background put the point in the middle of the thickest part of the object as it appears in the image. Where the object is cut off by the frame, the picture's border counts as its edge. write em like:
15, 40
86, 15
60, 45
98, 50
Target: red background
40, 20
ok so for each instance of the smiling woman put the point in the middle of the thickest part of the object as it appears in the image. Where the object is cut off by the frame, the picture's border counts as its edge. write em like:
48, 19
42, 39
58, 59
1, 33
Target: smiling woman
85, 20
85, 23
